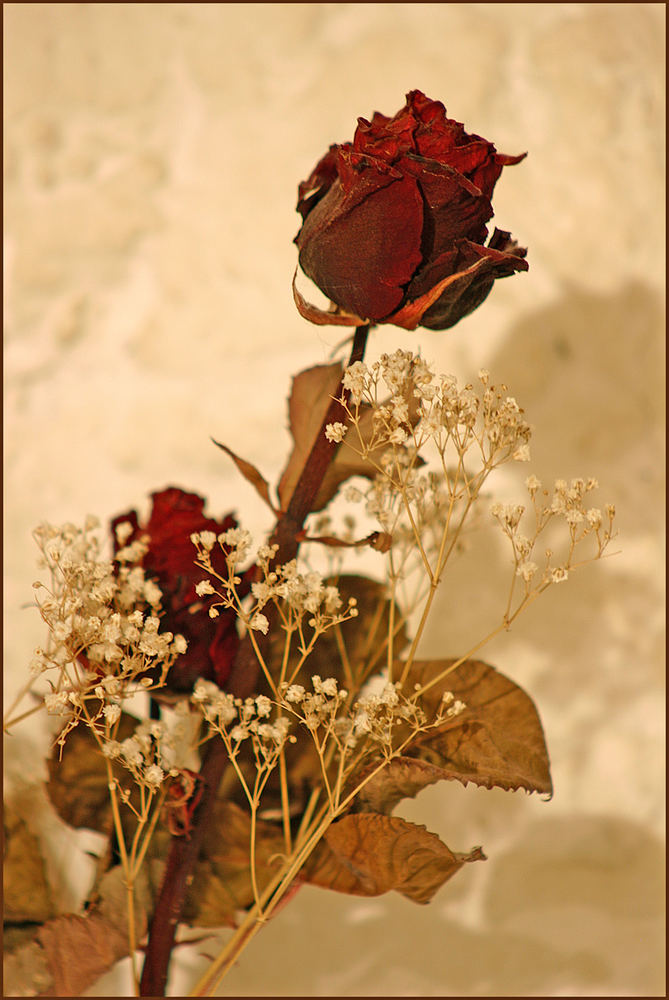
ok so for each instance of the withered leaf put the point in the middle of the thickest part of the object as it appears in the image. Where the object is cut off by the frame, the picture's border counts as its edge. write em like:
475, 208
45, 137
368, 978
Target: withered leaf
77, 784
308, 403
250, 473
399, 778
26, 895
222, 882
311, 395
70, 952
366, 854
498, 741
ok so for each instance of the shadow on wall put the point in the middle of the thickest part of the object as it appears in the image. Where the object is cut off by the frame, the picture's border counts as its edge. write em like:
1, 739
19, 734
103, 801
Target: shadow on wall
589, 371
575, 908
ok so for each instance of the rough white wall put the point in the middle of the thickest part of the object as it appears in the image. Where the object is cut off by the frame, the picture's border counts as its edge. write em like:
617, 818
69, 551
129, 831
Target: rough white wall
152, 157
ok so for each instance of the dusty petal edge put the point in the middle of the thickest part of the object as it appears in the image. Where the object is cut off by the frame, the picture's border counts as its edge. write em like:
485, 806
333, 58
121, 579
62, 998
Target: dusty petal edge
324, 317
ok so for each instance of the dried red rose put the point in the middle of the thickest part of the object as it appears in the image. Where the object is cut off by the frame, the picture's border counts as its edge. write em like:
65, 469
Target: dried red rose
395, 222
170, 561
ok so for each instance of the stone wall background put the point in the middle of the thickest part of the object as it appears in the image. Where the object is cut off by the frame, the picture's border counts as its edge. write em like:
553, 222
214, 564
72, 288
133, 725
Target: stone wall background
152, 155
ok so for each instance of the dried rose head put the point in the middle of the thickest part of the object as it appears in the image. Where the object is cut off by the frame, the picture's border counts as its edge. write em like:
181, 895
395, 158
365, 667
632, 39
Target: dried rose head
395, 222
170, 561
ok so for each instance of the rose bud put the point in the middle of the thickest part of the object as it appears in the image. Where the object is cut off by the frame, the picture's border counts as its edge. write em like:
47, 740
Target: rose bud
170, 562
394, 223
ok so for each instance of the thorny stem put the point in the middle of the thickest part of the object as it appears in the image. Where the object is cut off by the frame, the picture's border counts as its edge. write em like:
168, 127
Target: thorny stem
184, 851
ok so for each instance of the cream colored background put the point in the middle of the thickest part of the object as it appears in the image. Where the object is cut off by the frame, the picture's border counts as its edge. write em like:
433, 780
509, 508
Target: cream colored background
152, 157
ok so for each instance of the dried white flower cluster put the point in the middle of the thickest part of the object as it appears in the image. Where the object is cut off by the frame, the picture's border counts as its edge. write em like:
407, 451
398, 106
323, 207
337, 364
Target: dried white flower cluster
104, 626
425, 407
150, 754
566, 502
351, 727
238, 719
299, 597
433, 445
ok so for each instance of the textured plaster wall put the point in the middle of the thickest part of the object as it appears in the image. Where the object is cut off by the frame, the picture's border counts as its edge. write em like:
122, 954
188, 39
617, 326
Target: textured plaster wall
152, 154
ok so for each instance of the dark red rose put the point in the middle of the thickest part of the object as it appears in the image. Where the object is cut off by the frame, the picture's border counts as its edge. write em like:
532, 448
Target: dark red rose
170, 561
394, 223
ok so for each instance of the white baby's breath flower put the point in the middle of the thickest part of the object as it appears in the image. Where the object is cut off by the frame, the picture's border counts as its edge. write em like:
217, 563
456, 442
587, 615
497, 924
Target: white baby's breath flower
56, 703
123, 532
154, 775
259, 623
204, 691
263, 706
132, 751
180, 644
152, 593
456, 709
335, 432
203, 588
527, 570
112, 713
207, 540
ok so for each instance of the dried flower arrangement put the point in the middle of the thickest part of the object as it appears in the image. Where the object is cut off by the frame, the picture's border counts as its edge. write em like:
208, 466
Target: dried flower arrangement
241, 718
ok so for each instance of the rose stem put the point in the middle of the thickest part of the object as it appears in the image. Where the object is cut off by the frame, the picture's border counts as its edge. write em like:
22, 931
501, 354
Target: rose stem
184, 850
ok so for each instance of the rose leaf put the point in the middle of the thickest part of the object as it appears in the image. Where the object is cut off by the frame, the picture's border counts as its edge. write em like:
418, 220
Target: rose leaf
70, 952
497, 741
399, 778
251, 474
78, 782
222, 881
366, 854
311, 395
308, 403
26, 893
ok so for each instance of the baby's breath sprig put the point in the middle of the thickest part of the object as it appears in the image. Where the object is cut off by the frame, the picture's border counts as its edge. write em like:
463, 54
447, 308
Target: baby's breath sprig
104, 641
305, 605
428, 448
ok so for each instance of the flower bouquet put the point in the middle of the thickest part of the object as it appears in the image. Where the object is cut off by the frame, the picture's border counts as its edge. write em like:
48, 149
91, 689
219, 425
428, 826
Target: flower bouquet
240, 717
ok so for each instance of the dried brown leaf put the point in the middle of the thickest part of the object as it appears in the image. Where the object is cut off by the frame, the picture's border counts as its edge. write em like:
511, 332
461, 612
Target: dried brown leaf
310, 397
498, 741
70, 952
78, 784
222, 882
250, 473
400, 778
311, 394
26, 894
367, 854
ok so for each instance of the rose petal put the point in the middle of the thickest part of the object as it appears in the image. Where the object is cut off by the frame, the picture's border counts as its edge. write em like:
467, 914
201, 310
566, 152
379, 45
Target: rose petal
452, 286
323, 317
318, 183
454, 207
361, 247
